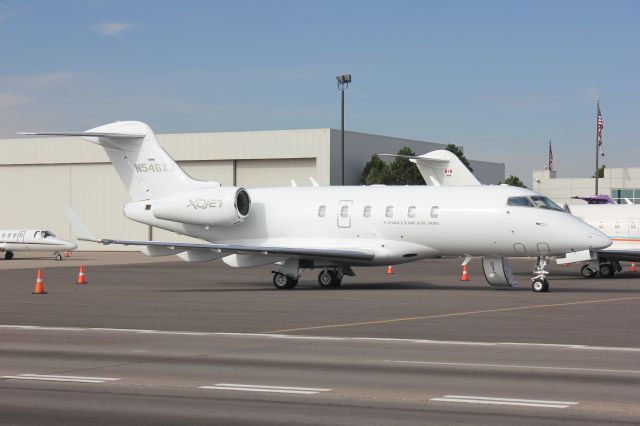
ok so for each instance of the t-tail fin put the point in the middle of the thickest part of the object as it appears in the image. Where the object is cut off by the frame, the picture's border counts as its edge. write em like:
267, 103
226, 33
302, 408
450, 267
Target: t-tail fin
145, 169
441, 167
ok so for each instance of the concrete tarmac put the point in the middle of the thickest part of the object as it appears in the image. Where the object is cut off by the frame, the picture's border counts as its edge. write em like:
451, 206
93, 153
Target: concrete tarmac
168, 343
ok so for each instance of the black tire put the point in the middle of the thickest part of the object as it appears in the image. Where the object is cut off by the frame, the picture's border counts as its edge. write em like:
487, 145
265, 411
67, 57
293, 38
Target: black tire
606, 270
283, 282
538, 286
587, 272
546, 286
58, 256
8, 255
327, 278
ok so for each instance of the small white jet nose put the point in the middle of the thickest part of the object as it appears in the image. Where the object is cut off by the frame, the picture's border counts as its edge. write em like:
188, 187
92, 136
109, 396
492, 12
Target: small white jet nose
599, 240
69, 245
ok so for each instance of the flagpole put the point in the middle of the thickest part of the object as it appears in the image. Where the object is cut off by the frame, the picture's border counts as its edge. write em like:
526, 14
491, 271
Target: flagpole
597, 144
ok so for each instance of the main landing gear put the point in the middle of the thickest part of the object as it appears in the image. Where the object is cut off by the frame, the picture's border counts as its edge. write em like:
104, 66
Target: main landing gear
8, 255
606, 268
539, 283
287, 278
330, 277
284, 282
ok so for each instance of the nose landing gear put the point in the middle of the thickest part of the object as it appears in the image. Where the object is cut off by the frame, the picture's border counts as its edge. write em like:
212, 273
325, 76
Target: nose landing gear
539, 283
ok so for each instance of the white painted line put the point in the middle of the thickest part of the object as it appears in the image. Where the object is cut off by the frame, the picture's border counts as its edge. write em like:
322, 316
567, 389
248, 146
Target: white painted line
60, 378
526, 367
265, 388
504, 401
273, 387
320, 338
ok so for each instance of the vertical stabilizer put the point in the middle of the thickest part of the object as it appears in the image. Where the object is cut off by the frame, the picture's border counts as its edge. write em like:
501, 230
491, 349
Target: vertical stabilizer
145, 169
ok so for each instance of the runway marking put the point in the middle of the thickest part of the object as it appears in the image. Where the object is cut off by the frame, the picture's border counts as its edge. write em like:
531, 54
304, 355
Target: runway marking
264, 388
316, 338
58, 378
526, 367
455, 314
504, 401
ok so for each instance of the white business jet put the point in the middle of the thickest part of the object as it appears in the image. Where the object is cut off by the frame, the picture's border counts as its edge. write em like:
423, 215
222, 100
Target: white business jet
12, 241
621, 222
335, 228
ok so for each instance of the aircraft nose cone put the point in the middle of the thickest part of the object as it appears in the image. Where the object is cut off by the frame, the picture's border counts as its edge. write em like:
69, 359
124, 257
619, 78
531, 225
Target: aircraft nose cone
70, 245
599, 240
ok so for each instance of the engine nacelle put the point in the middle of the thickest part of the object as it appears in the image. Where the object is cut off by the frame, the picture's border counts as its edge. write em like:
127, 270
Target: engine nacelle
221, 206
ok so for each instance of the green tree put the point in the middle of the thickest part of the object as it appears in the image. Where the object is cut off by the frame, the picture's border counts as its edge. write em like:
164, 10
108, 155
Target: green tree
403, 171
600, 172
400, 171
375, 166
460, 153
513, 181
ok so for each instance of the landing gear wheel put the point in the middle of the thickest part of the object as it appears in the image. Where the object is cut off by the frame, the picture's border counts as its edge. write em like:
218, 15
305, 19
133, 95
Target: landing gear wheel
606, 270
8, 255
540, 286
587, 272
328, 278
284, 282
58, 256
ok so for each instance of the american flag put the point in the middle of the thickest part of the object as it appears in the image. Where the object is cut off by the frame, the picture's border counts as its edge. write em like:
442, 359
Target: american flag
600, 127
550, 156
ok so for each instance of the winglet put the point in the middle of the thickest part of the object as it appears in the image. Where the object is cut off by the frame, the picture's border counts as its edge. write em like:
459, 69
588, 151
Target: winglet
82, 232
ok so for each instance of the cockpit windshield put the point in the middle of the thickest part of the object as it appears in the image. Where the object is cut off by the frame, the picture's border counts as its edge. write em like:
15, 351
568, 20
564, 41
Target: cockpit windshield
534, 201
545, 203
46, 234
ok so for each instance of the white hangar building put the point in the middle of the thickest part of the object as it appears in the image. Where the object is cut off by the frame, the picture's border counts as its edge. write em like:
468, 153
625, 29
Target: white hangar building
40, 175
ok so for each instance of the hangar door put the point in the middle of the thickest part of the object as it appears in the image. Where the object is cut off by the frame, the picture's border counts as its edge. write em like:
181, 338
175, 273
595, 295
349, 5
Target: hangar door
276, 172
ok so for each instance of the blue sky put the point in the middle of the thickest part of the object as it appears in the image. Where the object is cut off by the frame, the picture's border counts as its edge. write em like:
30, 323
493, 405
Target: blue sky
498, 77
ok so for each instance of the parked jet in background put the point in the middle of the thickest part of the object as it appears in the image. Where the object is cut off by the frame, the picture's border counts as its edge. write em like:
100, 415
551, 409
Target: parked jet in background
12, 241
621, 222
335, 228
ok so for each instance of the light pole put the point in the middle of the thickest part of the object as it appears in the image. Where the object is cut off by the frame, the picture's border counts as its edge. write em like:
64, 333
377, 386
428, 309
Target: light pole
343, 83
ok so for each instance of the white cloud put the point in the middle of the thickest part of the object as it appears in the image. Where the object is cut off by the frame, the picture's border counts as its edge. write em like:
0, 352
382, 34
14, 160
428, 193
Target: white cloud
12, 100
111, 29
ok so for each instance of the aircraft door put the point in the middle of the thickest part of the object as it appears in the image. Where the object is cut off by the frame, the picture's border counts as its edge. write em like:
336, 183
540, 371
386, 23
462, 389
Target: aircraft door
634, 227
344, 213
21, 237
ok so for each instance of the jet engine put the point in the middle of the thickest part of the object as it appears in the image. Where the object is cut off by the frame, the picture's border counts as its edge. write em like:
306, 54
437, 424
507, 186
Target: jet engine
221, 206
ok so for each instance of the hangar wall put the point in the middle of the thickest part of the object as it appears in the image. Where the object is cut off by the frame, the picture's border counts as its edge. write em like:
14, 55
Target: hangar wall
40, 175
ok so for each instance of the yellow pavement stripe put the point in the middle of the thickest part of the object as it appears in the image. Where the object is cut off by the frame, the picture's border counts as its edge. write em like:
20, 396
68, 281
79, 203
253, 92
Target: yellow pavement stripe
455, 314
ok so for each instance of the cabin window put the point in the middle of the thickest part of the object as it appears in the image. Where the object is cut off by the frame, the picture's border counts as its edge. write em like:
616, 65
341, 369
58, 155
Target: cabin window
633, 225
412, 211
519, 202
367, 211
322, 211
344, 211
601, 225
617, 225
389, 211
434, 211
14, 235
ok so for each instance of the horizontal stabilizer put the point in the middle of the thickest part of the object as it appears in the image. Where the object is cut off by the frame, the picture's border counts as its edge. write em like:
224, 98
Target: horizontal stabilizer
86, 134
441, 167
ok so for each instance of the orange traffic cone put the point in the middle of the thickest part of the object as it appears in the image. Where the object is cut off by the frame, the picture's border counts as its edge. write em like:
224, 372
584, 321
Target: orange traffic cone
390, 270
39, 289
465, 274
81, 279
633, 267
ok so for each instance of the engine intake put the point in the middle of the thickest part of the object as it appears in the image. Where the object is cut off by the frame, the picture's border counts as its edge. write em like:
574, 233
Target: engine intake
222, 206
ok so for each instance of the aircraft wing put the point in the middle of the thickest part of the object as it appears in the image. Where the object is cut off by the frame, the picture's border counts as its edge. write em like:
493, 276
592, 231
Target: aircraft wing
302, 252
621, 255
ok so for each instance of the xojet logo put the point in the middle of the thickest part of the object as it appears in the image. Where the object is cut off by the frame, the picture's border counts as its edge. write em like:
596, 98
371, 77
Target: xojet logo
204, 203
